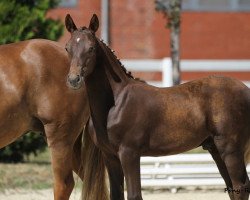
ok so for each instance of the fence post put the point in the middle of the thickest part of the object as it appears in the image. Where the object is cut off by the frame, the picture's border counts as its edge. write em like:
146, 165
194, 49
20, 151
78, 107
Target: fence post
167, 78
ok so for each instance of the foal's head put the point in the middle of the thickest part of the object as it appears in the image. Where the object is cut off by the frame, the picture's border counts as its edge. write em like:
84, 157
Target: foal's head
82, 49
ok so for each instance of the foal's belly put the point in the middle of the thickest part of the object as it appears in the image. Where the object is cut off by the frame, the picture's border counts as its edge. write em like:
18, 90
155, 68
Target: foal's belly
178, 128
174, 143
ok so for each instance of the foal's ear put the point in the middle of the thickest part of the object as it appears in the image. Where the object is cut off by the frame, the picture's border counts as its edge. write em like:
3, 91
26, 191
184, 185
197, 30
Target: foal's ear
94, 23
69, 23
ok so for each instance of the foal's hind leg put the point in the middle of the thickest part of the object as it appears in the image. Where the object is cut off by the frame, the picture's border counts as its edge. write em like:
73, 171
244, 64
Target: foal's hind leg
116, 177
210, 146
233, 158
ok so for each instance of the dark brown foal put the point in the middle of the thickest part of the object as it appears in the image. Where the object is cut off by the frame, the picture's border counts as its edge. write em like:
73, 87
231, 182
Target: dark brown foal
132, 119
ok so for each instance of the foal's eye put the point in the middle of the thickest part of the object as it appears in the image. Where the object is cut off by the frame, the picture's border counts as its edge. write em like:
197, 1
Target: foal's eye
67, 47
91, 49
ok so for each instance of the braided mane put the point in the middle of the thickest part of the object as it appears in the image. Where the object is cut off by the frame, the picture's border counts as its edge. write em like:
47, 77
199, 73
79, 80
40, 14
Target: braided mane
128, 73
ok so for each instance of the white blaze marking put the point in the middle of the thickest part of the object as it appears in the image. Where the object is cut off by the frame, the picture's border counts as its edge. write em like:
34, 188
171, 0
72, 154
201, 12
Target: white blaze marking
78, 39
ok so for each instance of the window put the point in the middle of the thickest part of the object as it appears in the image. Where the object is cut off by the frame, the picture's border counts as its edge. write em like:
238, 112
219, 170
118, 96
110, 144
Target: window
68, 3
216, 5
244, 4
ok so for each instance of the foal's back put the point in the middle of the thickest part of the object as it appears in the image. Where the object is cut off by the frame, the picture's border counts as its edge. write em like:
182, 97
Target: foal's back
176, 119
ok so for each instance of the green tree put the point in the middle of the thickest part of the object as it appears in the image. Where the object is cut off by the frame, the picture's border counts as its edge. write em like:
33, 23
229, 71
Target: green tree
30, 143
22, 20
172, 11
26, 19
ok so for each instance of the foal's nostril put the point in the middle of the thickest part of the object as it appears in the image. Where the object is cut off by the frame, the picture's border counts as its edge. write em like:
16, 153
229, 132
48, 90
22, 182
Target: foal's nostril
74, 80
77, 79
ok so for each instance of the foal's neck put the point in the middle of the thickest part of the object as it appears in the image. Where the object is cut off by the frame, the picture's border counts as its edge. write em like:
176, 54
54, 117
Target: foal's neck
115, 72
100, 101
103, 85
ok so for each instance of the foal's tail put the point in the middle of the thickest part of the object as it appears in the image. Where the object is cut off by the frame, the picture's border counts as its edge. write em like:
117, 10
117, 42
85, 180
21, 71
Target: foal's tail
94, 182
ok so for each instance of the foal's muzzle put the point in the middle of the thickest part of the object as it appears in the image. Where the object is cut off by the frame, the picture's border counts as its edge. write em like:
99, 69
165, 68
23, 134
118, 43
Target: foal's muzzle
75, 81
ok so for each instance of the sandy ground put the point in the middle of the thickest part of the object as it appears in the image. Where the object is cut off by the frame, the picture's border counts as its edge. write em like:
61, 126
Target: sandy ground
47, 195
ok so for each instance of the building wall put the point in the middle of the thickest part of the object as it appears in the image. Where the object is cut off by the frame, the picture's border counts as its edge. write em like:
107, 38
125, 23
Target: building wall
215, 35
138, 31
81, 14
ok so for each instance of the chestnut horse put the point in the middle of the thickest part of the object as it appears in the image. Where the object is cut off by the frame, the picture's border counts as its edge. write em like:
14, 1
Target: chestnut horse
132, 119
35, 96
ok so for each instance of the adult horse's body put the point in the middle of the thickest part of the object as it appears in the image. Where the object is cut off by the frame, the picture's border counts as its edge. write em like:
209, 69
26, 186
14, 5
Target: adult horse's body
132, 119
34, 96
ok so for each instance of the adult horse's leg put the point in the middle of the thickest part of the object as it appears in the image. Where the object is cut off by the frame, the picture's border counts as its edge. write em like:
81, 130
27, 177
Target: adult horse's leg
77, 158
233, 158
61, 148
130, 161
116, 177
210, 146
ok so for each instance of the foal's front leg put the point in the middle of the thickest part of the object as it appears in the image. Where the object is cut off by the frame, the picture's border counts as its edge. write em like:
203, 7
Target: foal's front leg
130, 160
116, 177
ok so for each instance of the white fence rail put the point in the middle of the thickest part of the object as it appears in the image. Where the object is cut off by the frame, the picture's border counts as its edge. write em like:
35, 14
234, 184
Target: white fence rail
164, 66
180, 171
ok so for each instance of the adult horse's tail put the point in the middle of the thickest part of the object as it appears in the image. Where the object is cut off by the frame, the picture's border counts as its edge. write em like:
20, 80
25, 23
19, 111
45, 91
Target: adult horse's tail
94, 181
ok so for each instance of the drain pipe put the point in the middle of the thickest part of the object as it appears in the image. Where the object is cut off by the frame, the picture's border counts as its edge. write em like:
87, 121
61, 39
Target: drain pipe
105, 21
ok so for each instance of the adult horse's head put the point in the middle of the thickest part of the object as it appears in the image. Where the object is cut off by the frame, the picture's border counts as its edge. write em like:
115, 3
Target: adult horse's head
82, 49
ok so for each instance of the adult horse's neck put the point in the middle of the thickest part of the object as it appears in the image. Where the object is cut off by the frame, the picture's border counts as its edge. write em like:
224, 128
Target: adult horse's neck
107, 79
